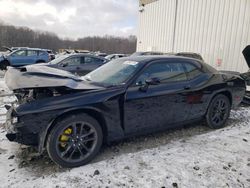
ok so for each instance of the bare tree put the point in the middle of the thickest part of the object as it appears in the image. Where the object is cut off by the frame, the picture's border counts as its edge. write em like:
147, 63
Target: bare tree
23, 36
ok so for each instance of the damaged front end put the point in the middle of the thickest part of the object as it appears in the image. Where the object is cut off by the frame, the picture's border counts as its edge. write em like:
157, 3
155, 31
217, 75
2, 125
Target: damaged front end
42, 94
35, 82
17, 131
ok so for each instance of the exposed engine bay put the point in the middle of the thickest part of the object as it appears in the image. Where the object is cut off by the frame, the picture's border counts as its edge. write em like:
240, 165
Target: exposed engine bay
28, 95
33, 82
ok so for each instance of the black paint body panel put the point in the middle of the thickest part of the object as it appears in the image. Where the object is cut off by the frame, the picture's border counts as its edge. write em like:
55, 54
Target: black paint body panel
126, 110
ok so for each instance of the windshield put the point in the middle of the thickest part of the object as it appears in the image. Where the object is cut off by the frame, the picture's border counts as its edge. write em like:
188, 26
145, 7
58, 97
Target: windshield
116, 72
59, 59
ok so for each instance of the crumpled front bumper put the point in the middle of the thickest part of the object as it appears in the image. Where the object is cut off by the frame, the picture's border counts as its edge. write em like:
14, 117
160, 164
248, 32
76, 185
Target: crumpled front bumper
18, 131
9, 125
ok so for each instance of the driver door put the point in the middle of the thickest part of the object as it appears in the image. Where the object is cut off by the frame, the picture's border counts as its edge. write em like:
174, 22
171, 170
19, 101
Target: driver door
19, 58
72, 64
90, 64
161, 105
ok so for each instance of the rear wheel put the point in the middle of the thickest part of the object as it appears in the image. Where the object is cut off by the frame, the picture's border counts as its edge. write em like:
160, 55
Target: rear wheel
75, 140
218, 111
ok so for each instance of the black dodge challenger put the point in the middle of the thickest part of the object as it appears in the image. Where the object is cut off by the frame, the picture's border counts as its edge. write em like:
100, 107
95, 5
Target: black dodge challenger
73, 116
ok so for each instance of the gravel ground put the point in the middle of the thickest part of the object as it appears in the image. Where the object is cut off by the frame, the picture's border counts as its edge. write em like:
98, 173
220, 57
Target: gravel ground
193, 156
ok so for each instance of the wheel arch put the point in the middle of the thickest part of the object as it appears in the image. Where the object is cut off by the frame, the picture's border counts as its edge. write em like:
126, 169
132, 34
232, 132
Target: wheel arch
227, 93
4, 63
40, 61
96, 114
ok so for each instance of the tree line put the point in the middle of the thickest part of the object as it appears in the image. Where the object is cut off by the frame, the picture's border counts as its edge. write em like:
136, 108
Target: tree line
12, 36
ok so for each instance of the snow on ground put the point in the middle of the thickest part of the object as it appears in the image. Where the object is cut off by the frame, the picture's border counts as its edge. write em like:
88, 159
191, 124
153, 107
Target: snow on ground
194, 156
5, 98
1, 73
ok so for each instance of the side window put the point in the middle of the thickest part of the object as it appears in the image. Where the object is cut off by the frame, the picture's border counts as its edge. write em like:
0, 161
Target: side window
20, 53
42, 53
92, 60
165, 72
31, 53
74, 61
192, 71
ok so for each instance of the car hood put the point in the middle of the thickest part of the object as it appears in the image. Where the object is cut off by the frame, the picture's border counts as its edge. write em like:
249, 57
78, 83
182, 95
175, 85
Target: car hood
246, 53
43, 77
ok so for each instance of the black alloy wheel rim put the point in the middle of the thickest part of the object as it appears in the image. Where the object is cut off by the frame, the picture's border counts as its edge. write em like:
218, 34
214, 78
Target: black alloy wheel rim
219, 111
76, 142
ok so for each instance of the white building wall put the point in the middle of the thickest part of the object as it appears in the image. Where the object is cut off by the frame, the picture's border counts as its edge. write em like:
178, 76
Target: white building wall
156, 24
217, 29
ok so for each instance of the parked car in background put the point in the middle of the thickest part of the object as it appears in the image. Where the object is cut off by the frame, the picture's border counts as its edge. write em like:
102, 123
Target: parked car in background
73, 116
51, 54
246, 75
115, 56
13, 48
23, 56
100, 54
146, 53
77, 63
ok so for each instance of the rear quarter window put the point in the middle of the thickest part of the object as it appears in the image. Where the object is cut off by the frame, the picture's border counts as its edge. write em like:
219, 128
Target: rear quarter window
192, 71
31, 53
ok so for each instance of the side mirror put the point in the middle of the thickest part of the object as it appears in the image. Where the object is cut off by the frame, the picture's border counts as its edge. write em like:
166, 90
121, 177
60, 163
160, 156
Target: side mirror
64, 64
151, 81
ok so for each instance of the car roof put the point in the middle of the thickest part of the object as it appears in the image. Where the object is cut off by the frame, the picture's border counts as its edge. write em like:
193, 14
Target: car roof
84, 54
157, 57
150, 58
27, 48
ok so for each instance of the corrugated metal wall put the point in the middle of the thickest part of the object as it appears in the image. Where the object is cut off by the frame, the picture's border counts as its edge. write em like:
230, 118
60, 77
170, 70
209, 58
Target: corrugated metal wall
156, 24
217, 29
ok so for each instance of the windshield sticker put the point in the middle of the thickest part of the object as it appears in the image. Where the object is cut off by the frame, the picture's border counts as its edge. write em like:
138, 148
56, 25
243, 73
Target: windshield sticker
134, 63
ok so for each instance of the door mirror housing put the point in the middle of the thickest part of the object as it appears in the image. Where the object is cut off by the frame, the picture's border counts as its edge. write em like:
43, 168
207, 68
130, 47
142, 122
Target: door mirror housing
64, 64
151, 81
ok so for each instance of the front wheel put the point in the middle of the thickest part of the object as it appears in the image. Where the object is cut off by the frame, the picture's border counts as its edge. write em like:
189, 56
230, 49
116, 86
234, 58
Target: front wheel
75, 140
218, 111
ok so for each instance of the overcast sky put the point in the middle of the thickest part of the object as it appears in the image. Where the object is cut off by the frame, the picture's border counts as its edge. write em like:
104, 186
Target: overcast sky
73, 18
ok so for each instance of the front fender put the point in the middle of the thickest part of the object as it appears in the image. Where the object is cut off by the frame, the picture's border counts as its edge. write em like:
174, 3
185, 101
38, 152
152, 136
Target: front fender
107, 114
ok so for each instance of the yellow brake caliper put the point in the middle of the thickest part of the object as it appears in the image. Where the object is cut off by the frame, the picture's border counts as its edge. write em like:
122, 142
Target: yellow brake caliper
64, 137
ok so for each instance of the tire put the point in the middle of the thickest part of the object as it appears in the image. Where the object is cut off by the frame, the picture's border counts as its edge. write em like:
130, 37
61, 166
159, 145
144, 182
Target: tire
218, 111
68, 149
40, 61
4, 65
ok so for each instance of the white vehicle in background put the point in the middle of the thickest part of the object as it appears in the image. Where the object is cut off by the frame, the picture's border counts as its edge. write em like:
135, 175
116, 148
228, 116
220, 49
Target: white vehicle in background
115, 56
